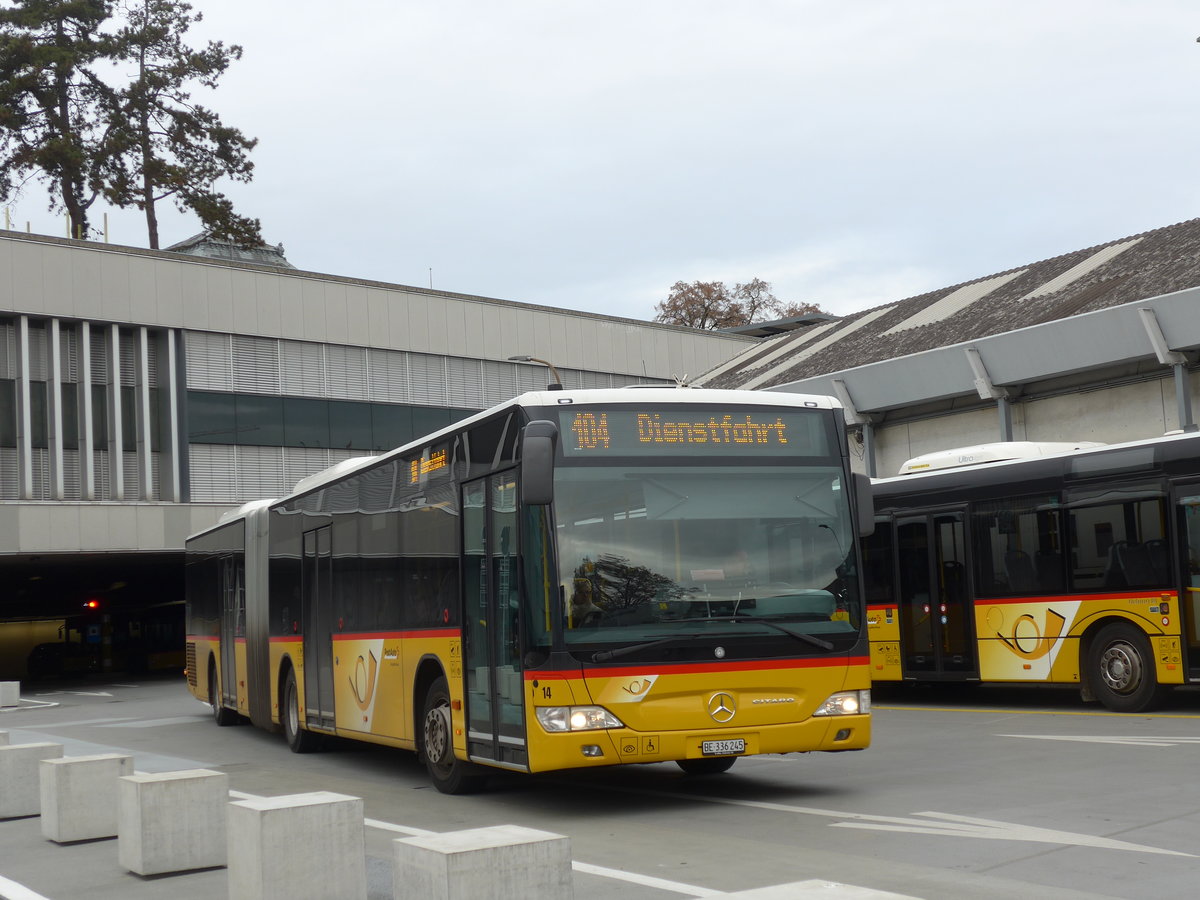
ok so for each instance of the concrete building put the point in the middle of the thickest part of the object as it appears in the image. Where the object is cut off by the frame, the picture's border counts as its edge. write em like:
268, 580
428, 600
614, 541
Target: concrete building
143, 393
1101, 344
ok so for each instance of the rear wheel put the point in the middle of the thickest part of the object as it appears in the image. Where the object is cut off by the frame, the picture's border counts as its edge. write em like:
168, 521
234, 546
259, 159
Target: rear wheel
449, 774
1121, 669
298, 739
713, 765
221, 715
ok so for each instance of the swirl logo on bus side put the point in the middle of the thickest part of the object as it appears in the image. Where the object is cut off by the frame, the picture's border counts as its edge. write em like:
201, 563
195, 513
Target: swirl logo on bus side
1025, 638
362, 683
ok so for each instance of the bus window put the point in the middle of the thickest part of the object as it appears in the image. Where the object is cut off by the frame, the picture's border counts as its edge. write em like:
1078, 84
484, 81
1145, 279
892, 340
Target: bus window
1018, 547
877, 565
1121, 543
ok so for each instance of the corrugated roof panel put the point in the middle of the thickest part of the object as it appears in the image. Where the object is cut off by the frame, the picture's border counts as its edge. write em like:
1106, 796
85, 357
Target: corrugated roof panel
816, 346
754, 357
1078, 270
954, 302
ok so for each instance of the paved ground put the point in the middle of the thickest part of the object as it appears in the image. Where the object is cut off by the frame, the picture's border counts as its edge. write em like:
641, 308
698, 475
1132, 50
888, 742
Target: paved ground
996, 794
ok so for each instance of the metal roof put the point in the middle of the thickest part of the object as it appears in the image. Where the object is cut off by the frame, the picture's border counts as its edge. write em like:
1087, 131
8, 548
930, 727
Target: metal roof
1071, 313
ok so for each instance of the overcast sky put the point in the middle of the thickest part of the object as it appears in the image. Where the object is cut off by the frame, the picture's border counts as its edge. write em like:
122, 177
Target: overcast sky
590, 154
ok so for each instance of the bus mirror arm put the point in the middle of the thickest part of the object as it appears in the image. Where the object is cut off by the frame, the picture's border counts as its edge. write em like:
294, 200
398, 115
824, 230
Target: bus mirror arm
537, 462
864, 499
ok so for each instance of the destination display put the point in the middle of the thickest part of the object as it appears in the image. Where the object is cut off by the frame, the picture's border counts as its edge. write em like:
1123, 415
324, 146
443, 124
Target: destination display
627, 431
421, 467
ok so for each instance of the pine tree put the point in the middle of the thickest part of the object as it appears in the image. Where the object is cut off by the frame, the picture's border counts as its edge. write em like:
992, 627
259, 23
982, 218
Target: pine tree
49, 128
162, 144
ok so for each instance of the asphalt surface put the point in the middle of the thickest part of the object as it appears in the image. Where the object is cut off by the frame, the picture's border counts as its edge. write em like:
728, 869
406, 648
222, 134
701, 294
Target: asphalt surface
987, 794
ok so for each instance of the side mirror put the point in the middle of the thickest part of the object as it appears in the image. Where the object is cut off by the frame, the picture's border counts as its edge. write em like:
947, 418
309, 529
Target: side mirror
864, 504
537, 462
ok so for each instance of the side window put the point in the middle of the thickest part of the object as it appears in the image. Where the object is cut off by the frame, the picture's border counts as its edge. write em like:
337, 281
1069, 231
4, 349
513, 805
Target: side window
1118, 539
877, 565
1019, 546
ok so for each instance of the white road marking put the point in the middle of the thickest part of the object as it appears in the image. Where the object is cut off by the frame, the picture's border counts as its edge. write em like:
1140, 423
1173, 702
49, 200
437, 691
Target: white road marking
1131, 741
944, 824
76, 693
155, 723
51, 726
10, 890
37, 704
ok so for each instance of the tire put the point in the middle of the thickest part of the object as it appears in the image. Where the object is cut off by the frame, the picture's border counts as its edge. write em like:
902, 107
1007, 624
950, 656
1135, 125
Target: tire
711, 765
299, 740
449, 774
221, 714
1121, 669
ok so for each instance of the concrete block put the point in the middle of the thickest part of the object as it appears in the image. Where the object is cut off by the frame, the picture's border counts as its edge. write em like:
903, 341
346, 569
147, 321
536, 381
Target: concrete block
20, 792
816, 888
79, 796
172, 821
298, 845
10, 693
499, 862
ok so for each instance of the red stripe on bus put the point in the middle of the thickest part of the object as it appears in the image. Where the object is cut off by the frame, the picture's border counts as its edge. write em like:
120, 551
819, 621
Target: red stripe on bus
393, 635
695, 668
1149, 594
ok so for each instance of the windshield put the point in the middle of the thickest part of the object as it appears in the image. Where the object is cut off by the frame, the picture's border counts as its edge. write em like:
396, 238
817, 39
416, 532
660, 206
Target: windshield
660, 555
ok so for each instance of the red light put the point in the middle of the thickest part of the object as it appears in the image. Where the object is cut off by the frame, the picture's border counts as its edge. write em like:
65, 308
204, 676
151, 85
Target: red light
92, 604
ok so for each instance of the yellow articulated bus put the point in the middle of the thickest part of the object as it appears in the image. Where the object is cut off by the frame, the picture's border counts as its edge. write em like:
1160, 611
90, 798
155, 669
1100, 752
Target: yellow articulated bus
570, 579
1078, 567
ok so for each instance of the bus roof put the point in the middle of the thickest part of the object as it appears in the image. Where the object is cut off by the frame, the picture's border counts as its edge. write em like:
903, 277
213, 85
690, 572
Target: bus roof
984, 453
1173, 443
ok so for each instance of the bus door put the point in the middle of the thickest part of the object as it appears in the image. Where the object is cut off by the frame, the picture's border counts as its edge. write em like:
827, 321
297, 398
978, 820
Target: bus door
1187, 504
233, 620
317, 625
936, 628
491, 627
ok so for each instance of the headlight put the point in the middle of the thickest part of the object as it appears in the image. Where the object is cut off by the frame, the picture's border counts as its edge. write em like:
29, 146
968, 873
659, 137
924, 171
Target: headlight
846, 703
576, 718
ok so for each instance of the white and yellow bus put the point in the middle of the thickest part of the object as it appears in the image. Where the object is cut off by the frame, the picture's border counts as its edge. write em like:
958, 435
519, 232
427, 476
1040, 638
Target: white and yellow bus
570, 579
1022, 563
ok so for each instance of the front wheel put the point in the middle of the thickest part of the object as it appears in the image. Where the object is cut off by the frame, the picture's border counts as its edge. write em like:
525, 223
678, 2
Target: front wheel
299, 740
449, 774
713, 765
1121, 669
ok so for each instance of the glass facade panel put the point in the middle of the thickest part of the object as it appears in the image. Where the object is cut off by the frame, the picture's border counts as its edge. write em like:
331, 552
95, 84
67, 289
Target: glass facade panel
427, 419
212, 418
391, 426
37, 413
305, 422
99, 416
70, 416
350, 426
265, 421
8, 413
259, 420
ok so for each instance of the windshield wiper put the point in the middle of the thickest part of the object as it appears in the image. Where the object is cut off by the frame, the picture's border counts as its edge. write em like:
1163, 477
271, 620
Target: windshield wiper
603, 655
758, 620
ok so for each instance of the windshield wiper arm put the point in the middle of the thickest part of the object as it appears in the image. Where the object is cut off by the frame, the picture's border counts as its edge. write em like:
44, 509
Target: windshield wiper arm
758, 620
603, 655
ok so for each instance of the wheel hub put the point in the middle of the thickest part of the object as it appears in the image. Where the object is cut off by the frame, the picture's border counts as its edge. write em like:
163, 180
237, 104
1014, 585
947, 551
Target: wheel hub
437, 733
1121, 668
